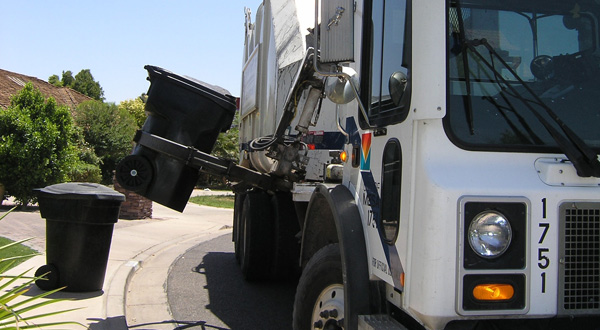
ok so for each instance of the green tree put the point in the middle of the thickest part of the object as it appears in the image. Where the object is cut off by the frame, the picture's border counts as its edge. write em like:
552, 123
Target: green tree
55, 80
136, 108
85, 84
227, 145
36, 144
67, 78
109, 130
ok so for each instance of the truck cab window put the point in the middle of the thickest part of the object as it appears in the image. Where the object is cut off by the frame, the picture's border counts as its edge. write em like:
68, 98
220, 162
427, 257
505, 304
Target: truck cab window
386, 61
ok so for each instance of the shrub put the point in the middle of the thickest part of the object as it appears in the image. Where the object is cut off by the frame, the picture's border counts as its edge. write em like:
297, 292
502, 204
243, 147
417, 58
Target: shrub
87, 167
36, 144
136, 107
108, 130
84, 172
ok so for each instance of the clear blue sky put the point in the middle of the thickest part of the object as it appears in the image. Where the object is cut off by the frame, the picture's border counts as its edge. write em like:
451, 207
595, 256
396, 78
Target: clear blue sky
115, 39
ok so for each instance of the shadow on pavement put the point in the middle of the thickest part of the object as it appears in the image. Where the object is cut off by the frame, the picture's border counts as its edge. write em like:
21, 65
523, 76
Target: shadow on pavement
177, 325
33, 291
207, 289
108, 324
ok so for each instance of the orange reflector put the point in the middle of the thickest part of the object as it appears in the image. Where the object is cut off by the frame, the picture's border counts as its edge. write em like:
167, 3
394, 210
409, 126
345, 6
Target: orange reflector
343, 156
311, 147
493, 292
402, 279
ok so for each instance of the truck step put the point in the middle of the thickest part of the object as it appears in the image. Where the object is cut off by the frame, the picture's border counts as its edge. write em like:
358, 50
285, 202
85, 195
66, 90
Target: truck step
378, 322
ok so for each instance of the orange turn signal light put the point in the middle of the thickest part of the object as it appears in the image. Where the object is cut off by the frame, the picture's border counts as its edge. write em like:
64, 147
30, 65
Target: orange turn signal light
343, 156
493, 292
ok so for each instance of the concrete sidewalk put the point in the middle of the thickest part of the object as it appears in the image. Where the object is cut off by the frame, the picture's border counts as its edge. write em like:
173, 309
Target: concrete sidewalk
141, 254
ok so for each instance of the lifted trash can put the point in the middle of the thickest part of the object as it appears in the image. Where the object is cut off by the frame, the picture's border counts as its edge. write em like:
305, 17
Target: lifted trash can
79, 224
183, 110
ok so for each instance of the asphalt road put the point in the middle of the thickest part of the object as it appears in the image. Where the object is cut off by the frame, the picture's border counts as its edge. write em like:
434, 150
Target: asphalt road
206, 290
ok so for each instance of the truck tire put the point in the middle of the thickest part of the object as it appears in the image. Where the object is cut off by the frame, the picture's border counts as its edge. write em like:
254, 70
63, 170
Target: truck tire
287, 246
319, 301
238, 230
257, 235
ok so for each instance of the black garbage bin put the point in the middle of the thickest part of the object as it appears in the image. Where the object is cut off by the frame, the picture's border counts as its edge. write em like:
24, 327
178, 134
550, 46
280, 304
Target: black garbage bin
183, 110
79, 224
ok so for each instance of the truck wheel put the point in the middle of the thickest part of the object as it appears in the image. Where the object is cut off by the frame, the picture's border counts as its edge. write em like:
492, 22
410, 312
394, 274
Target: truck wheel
319, 302
257, 235
238, 230
287, 247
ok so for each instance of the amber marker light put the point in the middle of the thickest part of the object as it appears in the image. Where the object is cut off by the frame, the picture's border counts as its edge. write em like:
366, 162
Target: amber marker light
343, 156
493, 292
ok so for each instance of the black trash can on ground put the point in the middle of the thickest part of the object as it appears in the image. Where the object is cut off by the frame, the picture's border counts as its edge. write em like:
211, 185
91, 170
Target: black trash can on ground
183, 110
79, 224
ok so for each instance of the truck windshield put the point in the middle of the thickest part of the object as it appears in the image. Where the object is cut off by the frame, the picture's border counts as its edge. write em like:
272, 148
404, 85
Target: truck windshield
517, 70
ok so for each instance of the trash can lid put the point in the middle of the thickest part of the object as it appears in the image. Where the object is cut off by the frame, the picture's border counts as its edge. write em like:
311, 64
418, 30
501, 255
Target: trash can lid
82, 190
216, 93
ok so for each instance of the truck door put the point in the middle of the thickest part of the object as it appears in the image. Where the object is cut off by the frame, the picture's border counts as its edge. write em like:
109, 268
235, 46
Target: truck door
385, 90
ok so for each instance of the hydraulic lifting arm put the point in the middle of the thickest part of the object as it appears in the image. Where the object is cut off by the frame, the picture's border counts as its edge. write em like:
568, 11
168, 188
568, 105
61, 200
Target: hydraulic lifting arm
204, 162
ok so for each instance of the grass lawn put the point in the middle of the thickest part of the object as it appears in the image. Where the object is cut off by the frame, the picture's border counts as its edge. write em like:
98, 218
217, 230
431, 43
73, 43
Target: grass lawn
223, 201
14, 251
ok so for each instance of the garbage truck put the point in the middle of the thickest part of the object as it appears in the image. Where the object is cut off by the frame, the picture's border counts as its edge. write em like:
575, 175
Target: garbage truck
418, 164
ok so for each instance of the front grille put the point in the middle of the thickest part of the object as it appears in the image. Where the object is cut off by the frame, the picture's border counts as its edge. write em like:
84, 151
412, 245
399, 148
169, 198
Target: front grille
579, 266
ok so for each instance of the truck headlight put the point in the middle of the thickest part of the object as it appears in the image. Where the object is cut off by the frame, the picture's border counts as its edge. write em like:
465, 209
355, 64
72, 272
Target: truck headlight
489, 234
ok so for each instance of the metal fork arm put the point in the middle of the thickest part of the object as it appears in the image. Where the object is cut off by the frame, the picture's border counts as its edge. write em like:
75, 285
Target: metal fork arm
192, 157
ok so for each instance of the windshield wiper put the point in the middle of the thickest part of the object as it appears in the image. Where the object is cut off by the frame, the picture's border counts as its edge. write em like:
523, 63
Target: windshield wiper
465, 58
580, 154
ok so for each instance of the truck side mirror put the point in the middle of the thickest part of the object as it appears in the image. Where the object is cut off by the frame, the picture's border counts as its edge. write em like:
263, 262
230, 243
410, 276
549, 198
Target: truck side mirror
339, 89
397, 86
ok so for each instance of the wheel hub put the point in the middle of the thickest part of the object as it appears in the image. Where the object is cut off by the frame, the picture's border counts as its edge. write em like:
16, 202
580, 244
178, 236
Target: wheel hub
328, 312
134, 173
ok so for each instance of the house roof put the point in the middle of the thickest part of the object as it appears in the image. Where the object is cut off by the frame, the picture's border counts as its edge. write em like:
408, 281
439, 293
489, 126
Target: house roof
11, 83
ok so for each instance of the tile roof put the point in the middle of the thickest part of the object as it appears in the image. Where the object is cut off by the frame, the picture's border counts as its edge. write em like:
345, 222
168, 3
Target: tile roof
11, 83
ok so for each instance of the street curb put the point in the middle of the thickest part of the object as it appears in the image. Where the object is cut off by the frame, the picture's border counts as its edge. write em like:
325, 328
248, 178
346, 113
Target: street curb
159, 259
115, 294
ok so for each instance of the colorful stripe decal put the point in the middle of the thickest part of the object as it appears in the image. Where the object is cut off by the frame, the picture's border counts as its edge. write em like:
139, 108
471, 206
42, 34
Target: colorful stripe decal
365, 157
